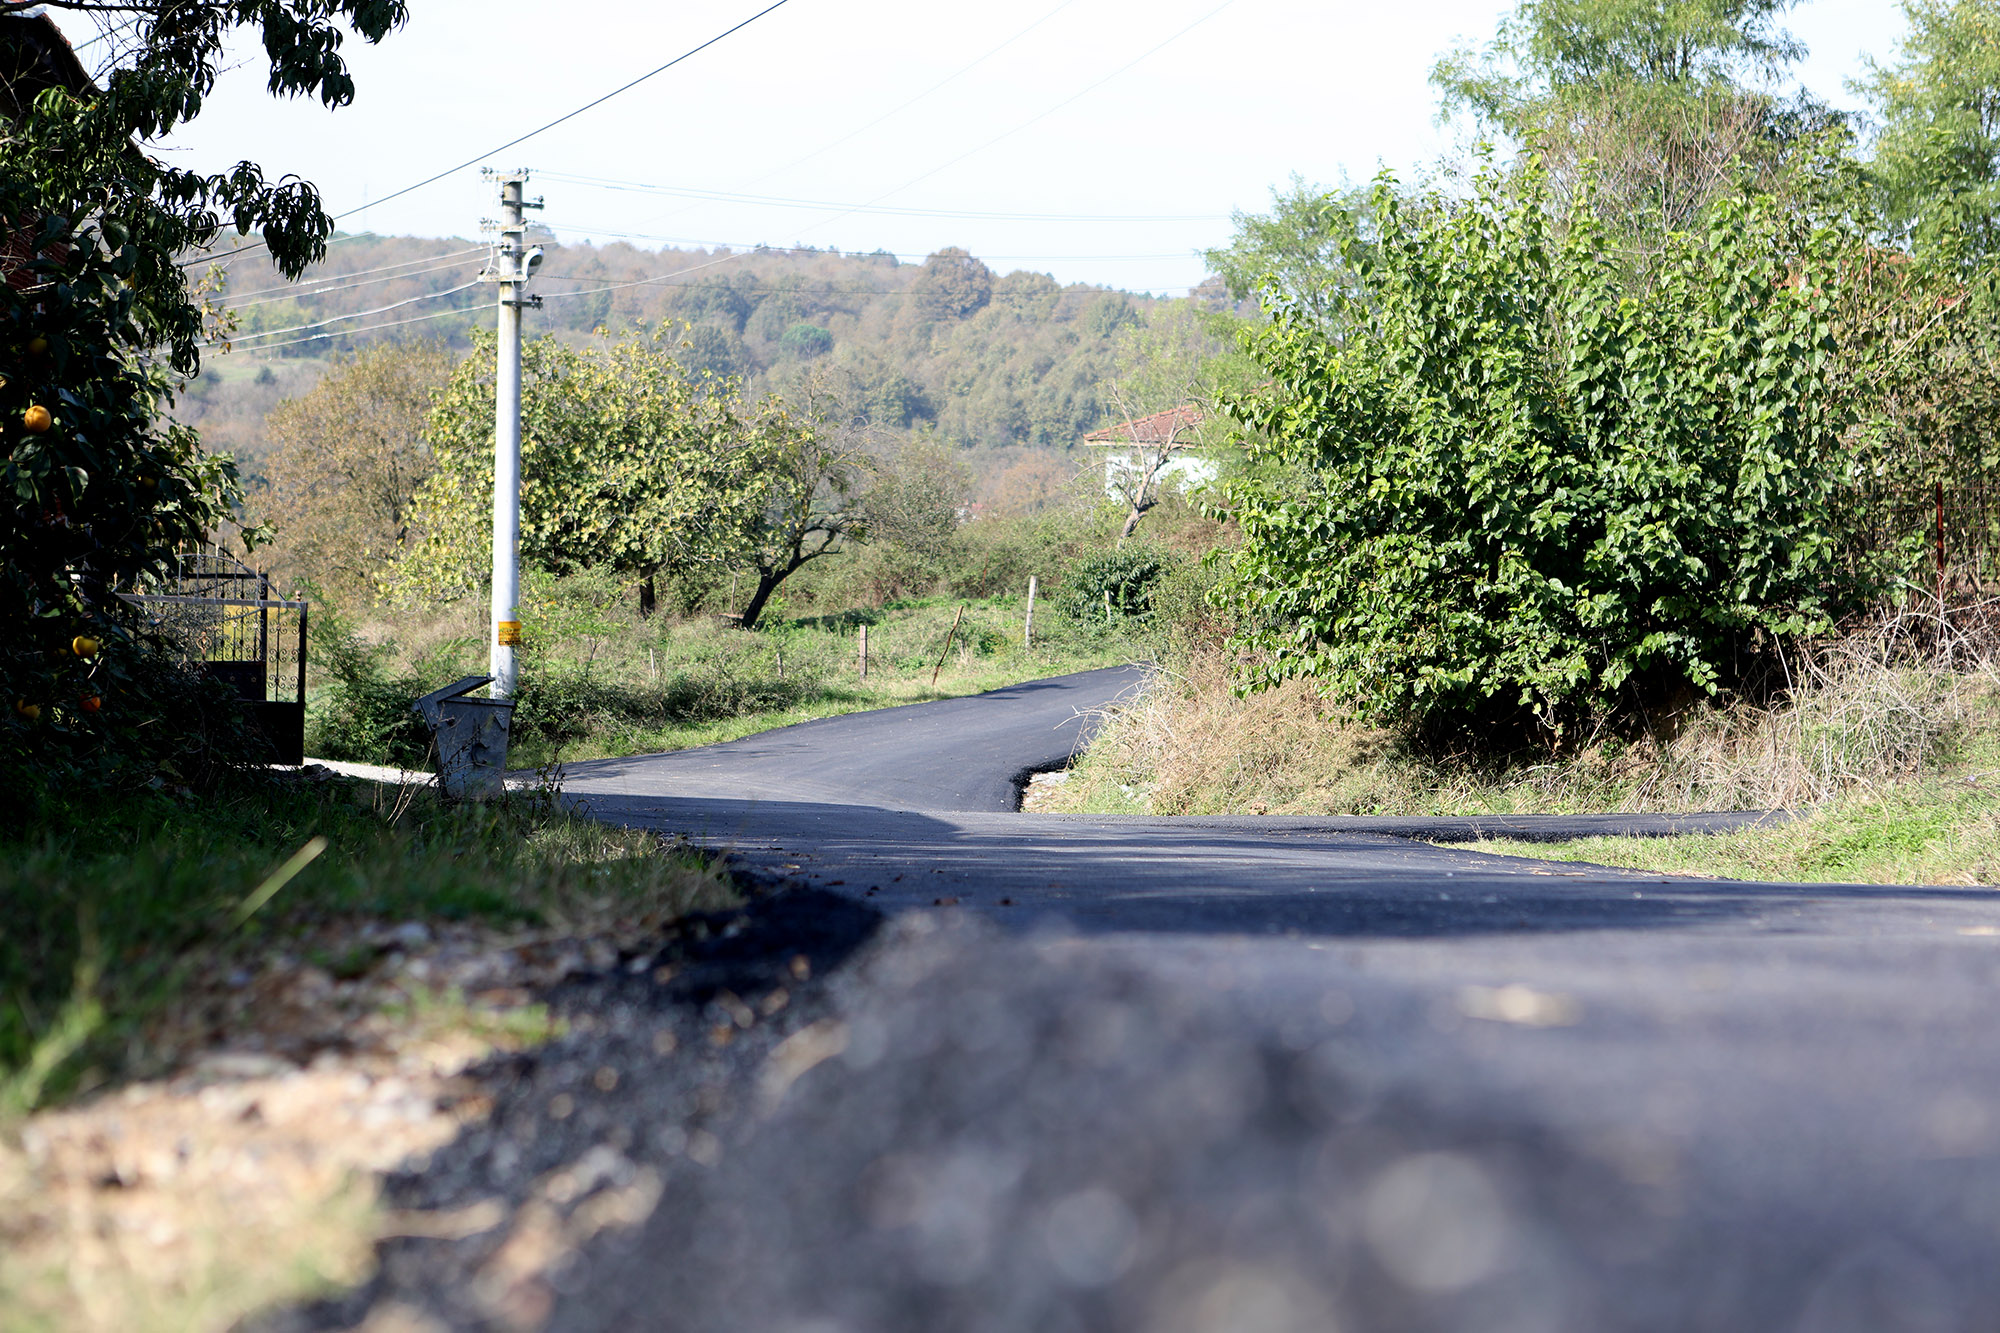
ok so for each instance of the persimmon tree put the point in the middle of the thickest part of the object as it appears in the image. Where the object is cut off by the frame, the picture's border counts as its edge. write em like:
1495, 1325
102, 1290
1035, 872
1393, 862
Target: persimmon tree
98, 315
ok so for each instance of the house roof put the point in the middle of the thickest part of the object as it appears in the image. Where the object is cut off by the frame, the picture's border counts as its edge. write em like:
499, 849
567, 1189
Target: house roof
34, 56
1172, 426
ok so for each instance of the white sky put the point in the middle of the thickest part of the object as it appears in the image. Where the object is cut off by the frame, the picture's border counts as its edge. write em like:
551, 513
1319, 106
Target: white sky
1203, 111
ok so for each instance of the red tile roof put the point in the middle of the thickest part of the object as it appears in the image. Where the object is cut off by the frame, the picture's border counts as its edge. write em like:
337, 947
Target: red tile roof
1173, 426
34, 55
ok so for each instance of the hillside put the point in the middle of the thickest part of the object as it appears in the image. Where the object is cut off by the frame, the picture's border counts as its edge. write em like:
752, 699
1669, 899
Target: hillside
1008, 366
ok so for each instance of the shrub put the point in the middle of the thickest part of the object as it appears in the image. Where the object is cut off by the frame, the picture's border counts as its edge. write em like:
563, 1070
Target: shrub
156, 719
1128, 574
363, 713
1527, 488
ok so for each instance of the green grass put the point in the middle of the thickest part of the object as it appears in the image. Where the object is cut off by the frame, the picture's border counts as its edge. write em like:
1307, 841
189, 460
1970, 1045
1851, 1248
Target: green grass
109, 906
1931, 833
703, 682
600, 682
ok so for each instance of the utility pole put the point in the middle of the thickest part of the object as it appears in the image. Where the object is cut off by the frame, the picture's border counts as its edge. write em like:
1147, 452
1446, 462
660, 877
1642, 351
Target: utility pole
512, 264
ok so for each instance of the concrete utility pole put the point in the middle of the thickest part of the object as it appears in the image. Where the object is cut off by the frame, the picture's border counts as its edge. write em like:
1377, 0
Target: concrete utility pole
513, 263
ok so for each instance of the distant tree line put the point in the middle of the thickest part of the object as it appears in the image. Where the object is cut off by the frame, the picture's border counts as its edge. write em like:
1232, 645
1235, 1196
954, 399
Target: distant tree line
989, 360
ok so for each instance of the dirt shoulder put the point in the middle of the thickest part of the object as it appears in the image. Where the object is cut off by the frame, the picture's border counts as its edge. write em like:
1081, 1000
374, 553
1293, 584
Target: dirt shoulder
252, 1175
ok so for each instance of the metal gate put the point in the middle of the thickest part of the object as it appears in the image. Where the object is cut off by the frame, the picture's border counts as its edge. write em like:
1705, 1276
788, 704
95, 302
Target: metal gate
219, 613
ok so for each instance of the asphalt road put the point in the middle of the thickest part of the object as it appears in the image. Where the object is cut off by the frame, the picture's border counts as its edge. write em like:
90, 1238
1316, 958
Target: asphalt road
1239, 1075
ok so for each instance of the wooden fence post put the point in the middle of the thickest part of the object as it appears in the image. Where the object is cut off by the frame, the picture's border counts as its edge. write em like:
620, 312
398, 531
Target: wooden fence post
1028, 622
949, 634
864, 652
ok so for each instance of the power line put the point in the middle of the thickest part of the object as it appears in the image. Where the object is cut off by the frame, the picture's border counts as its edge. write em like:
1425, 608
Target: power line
754, 248
1044, 115
114, 30
228, 257
778, 201
323, 288
355, 333
380, 268
762, 290
904, 106
569, 115
360, 314
642, 282
558, 296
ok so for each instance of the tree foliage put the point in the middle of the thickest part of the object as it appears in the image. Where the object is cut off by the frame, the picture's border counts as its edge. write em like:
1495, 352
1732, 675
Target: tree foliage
914, 495
631, 464
1296, 252
96, 310
807, 502
1937, 153
1184, 357
1024, 370
1520, 492
627, 462
347, 459
953, 285
1664, 102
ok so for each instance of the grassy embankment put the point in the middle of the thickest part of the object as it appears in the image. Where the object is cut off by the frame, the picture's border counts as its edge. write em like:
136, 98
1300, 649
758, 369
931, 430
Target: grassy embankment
600, 681
325, 959
1889, 758
117, 909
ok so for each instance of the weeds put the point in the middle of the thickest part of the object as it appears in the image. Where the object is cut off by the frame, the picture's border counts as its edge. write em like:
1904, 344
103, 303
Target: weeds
111, 906
1901, 698
1940, 832
599, 680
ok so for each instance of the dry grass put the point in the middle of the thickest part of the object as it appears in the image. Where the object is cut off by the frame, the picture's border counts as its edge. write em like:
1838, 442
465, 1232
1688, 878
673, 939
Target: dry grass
1939, 832
253, 1077
1907, 695
252, 1177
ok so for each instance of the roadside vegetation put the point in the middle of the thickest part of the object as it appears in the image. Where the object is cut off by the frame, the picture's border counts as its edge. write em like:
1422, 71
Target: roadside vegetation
125, 909
1887, 758
1643, 459
701, 563
1645, 467
604, 682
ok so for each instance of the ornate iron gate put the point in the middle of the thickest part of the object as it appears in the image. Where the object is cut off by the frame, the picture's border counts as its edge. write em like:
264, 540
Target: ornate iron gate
220, 613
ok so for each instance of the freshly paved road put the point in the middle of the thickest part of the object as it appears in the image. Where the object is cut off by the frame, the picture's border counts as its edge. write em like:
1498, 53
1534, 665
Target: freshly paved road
1249, 1075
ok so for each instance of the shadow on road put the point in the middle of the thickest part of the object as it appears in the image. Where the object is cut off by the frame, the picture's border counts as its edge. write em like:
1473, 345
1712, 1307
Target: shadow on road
1163, 875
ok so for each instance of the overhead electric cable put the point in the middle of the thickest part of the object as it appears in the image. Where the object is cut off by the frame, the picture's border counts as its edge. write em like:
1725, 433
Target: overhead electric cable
323, 288
566, 116
763, 290
482, 306
360, 272
228, 257
1148, 54
754, 247
901, 107
112, 31
388, 324
359, 314
644, 282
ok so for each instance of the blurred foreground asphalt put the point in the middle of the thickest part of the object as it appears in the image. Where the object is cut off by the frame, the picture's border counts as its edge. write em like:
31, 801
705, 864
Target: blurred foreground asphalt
1232, 1075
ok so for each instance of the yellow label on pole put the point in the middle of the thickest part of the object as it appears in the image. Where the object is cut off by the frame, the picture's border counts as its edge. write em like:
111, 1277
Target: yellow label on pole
508, 633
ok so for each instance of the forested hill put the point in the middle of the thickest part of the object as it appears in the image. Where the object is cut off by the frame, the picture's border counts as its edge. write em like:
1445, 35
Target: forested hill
992, 361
